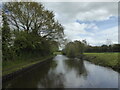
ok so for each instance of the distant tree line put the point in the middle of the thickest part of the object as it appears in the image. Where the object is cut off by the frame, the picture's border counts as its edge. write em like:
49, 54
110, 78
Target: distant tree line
29, 31
103, 48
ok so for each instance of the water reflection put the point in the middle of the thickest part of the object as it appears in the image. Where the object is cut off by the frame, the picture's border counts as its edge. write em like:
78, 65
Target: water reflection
52, 80
76, 65
29, 79
62, 72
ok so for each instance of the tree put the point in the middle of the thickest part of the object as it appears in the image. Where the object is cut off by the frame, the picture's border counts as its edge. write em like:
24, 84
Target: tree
104, 48
74, 49
54, 46
116, 47
35, 29
0, 38
32, 17
6, 37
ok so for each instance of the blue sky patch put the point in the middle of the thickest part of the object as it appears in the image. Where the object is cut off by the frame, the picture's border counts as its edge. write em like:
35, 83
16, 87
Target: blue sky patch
105, 24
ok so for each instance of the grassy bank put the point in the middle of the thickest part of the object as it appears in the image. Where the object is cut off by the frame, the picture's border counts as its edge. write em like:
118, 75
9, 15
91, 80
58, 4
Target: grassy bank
104, 59
12, 66
56, 53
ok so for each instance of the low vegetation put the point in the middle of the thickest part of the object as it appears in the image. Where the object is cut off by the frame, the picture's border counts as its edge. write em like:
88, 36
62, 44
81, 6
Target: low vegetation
9, 67
104, 59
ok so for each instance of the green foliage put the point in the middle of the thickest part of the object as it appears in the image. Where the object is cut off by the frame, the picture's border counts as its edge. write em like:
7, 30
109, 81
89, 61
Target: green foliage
70, 50
32, 17
6, 37
5, 30
104, 48
29, 43
35, 32
74, 49
54, 46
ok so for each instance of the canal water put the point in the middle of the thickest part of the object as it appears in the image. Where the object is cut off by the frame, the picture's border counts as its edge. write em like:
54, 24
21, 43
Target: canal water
62, 72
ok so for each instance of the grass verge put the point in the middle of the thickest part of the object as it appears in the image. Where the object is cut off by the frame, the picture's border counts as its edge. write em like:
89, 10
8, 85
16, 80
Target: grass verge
56, 53
104, 59
12, 66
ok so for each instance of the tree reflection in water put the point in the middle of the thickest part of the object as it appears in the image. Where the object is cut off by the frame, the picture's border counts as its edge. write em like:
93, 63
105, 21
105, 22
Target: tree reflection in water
28, 79
76, 65
52, 79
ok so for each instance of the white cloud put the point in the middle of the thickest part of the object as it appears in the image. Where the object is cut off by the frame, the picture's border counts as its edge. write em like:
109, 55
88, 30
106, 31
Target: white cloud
76, 31
78, 0
67, 13
73, 30
100, 14
111, 33
100, 37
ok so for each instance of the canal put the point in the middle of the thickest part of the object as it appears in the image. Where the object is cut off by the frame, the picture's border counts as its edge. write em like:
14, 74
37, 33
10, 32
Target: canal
62, 72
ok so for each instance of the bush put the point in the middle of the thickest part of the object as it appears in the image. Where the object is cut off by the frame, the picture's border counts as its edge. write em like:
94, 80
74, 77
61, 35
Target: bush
74, 49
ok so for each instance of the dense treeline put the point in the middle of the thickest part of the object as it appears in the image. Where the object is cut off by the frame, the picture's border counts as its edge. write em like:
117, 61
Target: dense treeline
29, 31
103, 48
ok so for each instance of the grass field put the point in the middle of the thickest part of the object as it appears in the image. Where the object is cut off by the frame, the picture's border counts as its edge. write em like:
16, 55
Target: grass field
12, 66
104, 59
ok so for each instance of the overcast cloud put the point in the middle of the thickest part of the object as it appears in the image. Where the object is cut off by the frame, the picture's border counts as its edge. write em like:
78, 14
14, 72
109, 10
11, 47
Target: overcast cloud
82, 20
83, 10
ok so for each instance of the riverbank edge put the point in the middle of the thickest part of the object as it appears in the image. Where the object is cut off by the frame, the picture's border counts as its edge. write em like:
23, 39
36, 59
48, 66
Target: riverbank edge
89, 58
18, 72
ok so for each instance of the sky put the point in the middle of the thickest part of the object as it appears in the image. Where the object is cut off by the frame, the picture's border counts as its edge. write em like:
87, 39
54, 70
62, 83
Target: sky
93, 21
